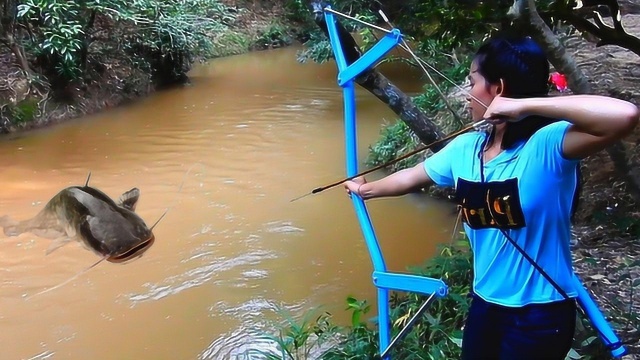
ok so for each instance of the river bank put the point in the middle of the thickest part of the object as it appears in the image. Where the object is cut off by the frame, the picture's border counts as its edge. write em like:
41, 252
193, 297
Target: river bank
31, 99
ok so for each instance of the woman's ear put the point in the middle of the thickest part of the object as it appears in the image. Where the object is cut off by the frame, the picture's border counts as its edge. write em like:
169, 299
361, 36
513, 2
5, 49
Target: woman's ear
497, 89
500, 87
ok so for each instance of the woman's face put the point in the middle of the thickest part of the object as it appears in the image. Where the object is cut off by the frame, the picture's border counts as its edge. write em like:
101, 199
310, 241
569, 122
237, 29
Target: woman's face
481, 93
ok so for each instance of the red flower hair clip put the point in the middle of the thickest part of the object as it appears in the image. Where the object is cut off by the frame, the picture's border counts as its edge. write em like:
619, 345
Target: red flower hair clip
559, 80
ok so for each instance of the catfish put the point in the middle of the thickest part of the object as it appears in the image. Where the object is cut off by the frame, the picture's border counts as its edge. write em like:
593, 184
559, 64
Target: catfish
111, 229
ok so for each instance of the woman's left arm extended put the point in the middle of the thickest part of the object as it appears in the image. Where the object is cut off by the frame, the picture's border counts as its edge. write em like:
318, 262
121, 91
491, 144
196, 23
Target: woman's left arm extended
598, 121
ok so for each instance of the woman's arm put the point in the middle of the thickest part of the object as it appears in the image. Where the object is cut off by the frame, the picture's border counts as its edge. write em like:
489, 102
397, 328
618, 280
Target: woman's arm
396, 184
598, 121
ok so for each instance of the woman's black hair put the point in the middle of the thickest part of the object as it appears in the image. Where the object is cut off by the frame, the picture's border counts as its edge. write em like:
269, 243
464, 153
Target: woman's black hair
524, 69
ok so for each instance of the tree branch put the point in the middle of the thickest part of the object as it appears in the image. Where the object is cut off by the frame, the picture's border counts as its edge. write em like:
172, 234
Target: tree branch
608, 35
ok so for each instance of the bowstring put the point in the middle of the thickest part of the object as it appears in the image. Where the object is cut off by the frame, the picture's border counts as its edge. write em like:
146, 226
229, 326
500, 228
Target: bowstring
422, 63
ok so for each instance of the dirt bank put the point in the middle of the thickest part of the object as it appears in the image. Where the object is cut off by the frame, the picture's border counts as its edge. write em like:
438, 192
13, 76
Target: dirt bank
26, 102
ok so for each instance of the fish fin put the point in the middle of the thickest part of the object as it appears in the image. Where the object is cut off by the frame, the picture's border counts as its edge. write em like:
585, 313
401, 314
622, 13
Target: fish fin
70, 279
129, 200
57, 244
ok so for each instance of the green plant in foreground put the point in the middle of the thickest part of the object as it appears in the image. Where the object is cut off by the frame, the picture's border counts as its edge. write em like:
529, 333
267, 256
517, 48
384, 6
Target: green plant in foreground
436, 336
300, 338
358, 340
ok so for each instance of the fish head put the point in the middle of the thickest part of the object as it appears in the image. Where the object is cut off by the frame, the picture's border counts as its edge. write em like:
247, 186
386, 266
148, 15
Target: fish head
110, 229
132, 253
133, 245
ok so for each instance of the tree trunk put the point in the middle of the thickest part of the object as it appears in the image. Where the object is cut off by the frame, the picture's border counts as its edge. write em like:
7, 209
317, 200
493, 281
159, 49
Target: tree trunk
525, 11
7, 30
18, 51
86, 41
377, 84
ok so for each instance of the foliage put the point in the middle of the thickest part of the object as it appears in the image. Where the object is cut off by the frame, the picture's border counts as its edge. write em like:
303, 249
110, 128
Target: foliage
620, 217
296, 10
61, 32
275, 35
432, 103
359, 340
586, 344
450, 24
438, 336
299, 338
20, 113
317, 47
164, 36
397, 139
230, 43
171, 35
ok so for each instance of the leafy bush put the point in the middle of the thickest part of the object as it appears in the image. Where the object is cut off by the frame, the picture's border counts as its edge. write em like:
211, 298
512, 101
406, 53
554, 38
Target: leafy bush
160, 36
275, 35
169, 36
299, 338
359, 341
395, 140
20, 113
60, 34
438, 336
450, 25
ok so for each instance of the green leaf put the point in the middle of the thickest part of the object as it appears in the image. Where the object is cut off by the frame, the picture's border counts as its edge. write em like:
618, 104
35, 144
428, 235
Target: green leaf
457, 341
573, 354
588, 341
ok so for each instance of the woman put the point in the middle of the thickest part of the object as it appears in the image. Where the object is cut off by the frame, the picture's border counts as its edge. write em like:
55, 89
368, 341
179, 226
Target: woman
515, 188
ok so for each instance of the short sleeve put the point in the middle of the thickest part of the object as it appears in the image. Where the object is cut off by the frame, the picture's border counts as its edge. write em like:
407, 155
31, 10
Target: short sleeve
439, 166
549, 140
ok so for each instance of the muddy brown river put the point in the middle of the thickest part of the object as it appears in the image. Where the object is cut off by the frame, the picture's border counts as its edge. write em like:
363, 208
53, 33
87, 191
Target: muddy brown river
225, 155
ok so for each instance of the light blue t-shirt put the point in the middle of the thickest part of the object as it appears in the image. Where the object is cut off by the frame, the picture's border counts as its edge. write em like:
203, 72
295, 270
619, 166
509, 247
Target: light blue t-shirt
528, 190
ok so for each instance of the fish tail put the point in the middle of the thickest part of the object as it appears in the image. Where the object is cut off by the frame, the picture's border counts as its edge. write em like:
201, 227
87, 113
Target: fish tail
10, 226
40, 221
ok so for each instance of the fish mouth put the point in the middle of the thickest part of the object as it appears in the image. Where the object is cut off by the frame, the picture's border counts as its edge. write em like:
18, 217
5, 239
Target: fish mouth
134, 252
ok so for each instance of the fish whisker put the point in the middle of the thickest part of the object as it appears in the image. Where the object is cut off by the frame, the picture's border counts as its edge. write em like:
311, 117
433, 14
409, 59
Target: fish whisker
68, 280
161, 216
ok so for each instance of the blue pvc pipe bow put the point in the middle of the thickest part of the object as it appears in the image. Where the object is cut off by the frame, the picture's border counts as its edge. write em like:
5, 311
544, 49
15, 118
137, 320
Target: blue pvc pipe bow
382, 279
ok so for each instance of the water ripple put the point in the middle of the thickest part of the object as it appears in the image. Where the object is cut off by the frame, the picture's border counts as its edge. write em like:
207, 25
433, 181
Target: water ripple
282, 227
43, 355
199, 276
252, 340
